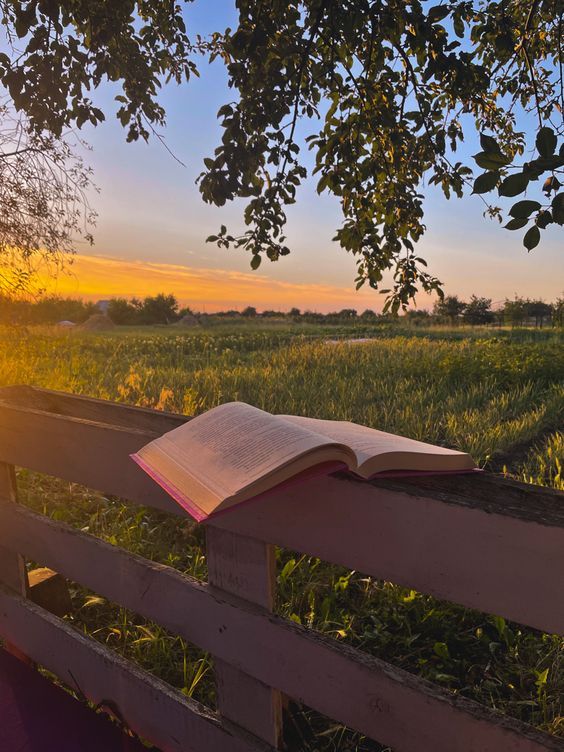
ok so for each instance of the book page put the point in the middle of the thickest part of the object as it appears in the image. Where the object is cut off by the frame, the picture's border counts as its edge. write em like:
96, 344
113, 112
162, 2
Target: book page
228, 448
378, 451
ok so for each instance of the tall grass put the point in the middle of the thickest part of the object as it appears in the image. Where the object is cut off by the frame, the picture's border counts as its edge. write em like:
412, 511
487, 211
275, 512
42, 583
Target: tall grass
499, 396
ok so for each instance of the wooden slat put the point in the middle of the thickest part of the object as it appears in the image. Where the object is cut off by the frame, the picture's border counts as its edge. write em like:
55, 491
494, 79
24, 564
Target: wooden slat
151, 708
90, 408
82, 451
363, 692
13, 572
245, 568
12, 564
467, 549
50, 591
457, 539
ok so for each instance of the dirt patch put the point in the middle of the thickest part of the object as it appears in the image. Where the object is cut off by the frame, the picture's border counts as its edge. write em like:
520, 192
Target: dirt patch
98, 322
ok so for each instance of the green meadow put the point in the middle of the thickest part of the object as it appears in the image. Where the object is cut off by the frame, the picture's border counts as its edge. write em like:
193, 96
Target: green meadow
498, 394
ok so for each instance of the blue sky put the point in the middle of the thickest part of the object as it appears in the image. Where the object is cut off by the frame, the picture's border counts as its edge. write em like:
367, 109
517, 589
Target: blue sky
150, 210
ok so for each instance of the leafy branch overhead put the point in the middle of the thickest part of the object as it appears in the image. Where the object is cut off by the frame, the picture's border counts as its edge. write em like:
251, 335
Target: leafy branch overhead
549, 164
388, 89
394, 85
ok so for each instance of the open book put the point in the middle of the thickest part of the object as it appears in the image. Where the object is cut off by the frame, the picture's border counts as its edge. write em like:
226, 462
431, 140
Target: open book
235, 452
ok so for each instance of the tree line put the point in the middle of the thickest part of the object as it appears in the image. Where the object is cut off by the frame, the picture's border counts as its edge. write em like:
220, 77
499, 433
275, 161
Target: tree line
157, 309
165, 309
517, 312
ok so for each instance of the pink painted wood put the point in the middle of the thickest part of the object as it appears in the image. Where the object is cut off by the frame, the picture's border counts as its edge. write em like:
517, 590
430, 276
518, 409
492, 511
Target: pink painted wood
37, 716
481, 556
54, 444
12, 565
479, 541
246, 568
13, 571
486, 543
341, 682
151, 708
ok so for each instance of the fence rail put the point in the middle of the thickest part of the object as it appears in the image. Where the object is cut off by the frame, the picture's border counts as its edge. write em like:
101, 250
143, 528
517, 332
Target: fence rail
482, 542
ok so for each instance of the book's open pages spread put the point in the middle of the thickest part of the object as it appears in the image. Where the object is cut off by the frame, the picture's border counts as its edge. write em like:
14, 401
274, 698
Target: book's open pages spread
377, 451
236, 451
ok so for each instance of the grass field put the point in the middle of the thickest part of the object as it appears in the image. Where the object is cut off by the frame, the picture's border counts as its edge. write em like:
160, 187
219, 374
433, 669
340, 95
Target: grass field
496, 394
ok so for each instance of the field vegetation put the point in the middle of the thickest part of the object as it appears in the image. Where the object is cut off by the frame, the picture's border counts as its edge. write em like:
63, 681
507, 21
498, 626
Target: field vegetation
497, 393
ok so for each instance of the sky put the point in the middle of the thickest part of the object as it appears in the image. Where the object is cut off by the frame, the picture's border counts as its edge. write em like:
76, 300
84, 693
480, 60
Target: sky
152, 223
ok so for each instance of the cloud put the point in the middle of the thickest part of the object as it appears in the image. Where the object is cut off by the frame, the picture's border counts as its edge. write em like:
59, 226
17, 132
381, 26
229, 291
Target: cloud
99, 277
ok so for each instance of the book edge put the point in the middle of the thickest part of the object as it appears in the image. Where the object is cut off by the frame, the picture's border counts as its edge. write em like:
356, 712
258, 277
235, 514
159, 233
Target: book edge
187, 504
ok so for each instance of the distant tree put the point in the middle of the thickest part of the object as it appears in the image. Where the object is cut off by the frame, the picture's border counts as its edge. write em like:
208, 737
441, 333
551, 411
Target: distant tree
515, 311
122, 311
184, 312
50, 310
539, 310
558, 312
417, 317
160, 309
272, 314
368, 315
478, 311
347, 314
249, 312
294, 313
44, 310
450, 308
313, 317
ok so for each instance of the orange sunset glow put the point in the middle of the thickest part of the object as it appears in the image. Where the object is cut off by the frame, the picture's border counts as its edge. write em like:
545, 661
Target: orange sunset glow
98, 277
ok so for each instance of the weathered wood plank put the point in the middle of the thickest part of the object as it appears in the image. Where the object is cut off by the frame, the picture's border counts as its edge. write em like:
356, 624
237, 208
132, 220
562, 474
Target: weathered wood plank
12, 564
79, 450
13, 572
151, 708
363, 692
500, 562
90, 408
50, 591
246, 568
456, 538
37, 716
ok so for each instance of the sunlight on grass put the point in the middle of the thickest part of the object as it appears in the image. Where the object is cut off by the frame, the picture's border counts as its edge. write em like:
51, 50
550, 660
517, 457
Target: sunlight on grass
499, 397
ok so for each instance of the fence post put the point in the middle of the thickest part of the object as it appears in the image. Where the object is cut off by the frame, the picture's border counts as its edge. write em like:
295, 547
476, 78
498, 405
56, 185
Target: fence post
245, 567
13, 572
12, 566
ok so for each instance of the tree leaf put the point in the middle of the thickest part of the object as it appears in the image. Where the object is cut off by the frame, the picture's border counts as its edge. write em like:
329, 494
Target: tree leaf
551, 184
491, 160
514, 184
543, 219
532, 238
524, 209
546, 142
485, 182
255, 261
558, 208
458, 25
322, 184
438, 12
516, 224
489, 144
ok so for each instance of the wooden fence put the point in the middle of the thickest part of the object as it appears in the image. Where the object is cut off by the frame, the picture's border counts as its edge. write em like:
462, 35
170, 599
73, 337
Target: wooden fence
483, 542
